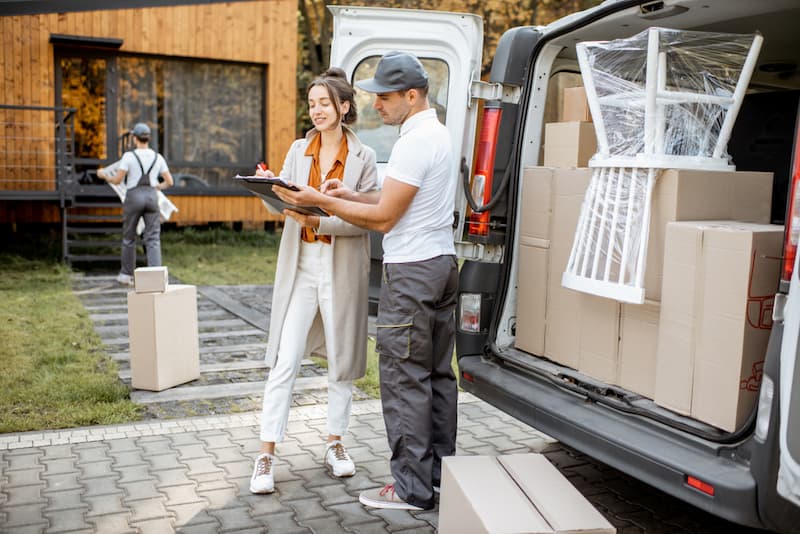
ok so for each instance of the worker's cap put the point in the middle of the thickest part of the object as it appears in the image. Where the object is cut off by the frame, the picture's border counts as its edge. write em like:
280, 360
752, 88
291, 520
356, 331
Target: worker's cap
397, 71
141, 130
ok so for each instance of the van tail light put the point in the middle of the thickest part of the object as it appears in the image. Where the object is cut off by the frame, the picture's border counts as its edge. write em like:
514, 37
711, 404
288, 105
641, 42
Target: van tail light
792, 231
470, 312
484, 169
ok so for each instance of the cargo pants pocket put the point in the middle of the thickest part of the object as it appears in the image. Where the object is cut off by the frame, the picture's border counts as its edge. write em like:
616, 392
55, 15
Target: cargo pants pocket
394, 334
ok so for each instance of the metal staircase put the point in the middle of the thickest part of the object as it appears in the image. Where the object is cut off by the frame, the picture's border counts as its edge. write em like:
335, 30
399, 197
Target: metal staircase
91, 225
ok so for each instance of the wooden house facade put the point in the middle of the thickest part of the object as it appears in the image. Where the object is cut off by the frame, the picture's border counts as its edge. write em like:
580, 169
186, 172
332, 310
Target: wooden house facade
215, 81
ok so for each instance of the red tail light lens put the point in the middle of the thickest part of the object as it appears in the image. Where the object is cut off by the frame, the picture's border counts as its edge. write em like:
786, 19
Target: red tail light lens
484, 168
792, 232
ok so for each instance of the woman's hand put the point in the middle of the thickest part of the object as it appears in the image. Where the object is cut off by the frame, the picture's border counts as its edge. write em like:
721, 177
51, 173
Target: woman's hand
264, 173
311, 221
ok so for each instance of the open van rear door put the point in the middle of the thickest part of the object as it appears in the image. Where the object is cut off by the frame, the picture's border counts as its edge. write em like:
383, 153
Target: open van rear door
449, 46
789, 387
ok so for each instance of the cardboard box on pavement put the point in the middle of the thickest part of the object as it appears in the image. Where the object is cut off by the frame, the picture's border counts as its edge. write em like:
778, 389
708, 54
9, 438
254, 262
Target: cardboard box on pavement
164, 344
517, 493
150, 279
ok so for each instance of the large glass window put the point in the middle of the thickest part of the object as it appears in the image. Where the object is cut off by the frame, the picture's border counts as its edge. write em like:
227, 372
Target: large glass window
207, 117
370, 127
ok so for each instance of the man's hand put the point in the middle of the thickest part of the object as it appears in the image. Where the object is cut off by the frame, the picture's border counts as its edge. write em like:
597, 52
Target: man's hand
304, 196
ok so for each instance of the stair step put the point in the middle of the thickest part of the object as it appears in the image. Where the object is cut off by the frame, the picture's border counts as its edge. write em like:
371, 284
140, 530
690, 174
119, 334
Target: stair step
93, 244
96, 205
90, 217
218, 391
93, 229
92, 257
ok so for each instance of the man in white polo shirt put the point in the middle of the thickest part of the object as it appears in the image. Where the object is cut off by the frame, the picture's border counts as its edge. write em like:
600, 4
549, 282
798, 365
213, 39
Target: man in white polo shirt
416, 321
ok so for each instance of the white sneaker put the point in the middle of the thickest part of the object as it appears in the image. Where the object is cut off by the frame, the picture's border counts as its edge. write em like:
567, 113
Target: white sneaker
338, 461
125, 279
385, 498
262, 480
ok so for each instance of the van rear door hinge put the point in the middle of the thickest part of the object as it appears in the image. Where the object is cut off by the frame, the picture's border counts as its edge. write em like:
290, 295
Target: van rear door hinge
494, 91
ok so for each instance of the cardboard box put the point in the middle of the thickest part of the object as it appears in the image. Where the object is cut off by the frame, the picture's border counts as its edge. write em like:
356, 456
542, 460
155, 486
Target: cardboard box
569, 144
150, 279
720, 278
682, 195
638, 344
581, 330
574, 105
164, 343
518, 493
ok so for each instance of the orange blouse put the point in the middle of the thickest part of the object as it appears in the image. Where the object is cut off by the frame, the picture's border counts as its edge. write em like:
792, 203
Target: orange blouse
315, 178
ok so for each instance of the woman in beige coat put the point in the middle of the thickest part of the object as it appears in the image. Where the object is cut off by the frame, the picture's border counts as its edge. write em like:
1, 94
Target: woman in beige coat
319, 301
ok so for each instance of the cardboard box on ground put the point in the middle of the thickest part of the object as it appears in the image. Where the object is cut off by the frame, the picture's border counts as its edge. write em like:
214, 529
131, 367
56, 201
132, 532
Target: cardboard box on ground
515, 493
163, 335
586, 332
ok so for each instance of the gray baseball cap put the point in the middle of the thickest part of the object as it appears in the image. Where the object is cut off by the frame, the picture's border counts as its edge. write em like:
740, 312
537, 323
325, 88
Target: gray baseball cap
141, 130
397, 71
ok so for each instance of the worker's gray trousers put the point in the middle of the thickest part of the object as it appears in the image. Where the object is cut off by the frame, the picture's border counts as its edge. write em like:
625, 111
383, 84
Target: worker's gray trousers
140, 202
419, 393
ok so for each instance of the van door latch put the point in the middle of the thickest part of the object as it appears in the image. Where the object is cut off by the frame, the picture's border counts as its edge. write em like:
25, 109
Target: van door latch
494, 91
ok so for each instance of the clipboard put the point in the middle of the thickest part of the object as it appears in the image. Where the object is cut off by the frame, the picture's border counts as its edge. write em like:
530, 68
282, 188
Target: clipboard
262, 186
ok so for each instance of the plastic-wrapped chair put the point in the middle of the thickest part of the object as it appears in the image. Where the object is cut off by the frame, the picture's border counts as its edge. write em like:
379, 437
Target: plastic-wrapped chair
660, 99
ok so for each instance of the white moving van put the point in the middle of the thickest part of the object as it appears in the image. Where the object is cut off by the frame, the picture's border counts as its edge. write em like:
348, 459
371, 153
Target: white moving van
748, 473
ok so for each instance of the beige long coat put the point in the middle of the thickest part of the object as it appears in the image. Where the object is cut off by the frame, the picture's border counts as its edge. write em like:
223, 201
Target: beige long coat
351, 260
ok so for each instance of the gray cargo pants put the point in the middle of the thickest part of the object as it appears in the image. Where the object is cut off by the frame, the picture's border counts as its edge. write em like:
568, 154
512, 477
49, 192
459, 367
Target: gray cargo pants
419, 392
140, 202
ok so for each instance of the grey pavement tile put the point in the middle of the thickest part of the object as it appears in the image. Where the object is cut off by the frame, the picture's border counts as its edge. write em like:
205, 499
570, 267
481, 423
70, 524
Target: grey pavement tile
114, 523
215, 439
378, 526
67, 521
184, 494
154, 526
27, 529
289, 447
91, 452
142, 489
377, 470
236, 519
65, 500
283, 524
199, 528
361, 481
201, 466
55, 452
302, 461
400, 519
328, 525
237, 468
307, 439
333, 494
102, 486
155, 445
123, 459
147, 509
351, 513
23, 477
164, 462
172, 477
60, 466
221, 497
62, 482
25, 516
231, 453
306, 509
210, 481
110, 504
122, 445
191, 451
319, 476
265, 505
25, 496
192, 513
292, 490
417, 530
133, 473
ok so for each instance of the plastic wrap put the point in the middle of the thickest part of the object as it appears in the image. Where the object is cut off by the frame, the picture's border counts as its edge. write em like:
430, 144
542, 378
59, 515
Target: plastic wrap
666, 98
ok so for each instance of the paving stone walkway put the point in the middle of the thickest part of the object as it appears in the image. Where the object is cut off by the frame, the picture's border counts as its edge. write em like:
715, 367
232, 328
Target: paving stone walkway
186, 466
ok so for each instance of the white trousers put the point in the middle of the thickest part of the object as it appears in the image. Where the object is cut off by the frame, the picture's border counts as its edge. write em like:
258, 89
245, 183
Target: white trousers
312, 292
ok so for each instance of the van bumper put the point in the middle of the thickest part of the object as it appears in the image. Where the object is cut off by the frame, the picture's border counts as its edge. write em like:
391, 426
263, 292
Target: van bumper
635, 445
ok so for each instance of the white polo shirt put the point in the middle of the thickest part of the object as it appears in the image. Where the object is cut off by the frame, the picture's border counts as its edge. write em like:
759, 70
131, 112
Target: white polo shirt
423, 157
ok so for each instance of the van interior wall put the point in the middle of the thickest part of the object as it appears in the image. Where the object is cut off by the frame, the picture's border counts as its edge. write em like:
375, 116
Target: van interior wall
762, 140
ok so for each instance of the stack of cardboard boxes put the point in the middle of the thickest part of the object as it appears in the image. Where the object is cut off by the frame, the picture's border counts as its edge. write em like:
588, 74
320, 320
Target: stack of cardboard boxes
162, 329
694, 345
